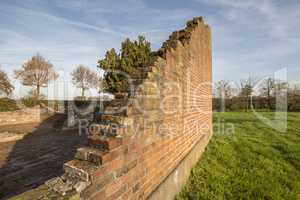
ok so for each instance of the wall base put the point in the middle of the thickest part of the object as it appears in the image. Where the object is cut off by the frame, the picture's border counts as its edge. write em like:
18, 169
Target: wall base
173, 184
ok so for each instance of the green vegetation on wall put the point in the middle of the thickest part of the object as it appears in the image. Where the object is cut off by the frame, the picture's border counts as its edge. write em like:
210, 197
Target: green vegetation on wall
133, 60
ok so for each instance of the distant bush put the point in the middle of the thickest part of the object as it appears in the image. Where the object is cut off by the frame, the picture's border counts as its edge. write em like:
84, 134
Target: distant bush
30, 101
7, 104
258, 103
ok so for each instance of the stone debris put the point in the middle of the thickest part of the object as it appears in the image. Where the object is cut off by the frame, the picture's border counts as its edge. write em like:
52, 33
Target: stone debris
59, 186
80, 186
62, 185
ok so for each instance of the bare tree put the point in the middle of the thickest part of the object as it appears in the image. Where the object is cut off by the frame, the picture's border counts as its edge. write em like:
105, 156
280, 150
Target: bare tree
5, 85
294, 98
268, 90
84, 78
223, 91
280, 87
246, 91
36, 72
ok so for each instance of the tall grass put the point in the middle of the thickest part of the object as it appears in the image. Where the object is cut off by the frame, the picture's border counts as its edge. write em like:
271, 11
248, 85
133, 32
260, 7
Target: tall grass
254, 162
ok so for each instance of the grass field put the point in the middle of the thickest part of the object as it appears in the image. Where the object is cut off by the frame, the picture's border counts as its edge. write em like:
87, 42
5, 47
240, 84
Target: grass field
254, 162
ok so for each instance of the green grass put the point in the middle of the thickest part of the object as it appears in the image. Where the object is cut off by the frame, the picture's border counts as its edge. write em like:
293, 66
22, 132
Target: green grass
254, 162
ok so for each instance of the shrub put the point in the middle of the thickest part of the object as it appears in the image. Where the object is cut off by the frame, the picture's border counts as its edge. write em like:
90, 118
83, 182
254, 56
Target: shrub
7, 104
133, 59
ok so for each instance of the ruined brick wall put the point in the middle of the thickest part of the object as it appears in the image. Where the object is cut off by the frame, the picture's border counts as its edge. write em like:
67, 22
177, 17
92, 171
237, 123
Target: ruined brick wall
29, 115
167, 117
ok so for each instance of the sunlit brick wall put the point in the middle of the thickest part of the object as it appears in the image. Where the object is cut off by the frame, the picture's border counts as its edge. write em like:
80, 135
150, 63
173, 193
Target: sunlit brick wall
170, 114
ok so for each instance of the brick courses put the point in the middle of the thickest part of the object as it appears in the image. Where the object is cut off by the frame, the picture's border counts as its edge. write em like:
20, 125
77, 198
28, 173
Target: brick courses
169, 113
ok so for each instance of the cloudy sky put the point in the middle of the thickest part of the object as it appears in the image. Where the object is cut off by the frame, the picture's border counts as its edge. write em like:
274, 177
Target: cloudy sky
250, 37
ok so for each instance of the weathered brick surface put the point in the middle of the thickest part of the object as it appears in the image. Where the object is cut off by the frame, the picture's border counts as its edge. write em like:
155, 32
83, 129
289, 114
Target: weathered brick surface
29, 115
169, 113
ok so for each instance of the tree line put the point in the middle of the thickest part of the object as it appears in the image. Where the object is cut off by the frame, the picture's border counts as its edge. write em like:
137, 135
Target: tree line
133, 59
38, 72
252, 93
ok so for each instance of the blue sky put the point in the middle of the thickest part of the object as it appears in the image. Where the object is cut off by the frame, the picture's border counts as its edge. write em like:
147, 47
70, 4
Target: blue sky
250, 37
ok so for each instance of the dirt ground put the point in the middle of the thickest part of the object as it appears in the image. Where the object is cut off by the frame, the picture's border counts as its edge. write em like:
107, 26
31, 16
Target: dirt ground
37, 155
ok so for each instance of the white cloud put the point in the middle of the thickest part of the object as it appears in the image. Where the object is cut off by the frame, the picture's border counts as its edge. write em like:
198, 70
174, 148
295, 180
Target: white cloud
81, 38
248, 36
254, 36
277, 20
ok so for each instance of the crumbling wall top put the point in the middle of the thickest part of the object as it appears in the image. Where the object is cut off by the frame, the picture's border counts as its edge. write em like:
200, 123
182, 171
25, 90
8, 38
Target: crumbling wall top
182, 36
